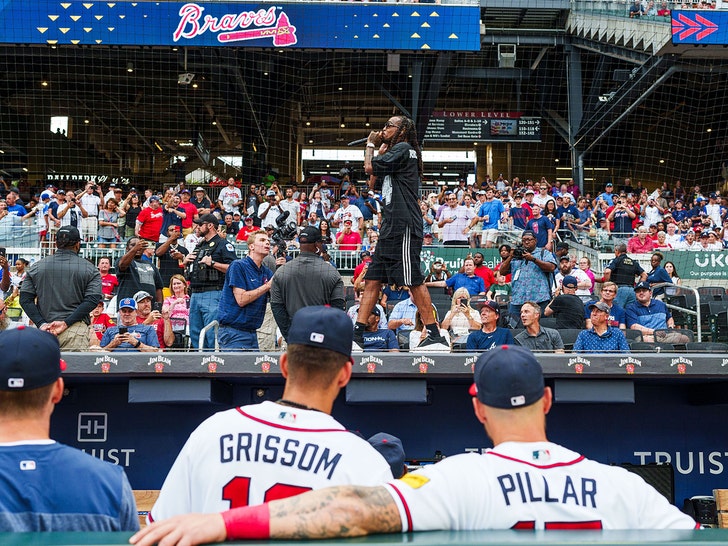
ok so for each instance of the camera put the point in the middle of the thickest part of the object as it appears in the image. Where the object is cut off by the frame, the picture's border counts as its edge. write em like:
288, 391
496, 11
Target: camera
518, 251
285, 231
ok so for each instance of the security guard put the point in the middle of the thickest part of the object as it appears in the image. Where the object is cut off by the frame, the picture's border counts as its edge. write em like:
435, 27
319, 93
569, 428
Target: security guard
623, 270
206, 267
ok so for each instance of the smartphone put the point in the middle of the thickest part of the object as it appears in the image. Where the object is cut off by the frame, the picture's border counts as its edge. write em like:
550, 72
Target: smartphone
3, 251
157, 306
123, 330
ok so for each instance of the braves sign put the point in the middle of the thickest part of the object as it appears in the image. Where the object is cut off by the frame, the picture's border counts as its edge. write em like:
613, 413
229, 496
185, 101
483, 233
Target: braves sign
693, 27
235, 27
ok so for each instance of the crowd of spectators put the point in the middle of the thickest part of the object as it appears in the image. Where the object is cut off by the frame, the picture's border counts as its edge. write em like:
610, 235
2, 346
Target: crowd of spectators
179, 244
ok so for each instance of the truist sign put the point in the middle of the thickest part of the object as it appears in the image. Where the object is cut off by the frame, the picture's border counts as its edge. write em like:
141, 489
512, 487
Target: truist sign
236, 27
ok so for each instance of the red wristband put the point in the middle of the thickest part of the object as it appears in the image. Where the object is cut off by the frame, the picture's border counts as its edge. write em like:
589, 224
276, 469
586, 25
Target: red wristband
248, 522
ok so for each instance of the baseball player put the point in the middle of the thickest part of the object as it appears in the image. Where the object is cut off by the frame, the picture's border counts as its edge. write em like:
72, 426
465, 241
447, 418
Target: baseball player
524, 482
257, 453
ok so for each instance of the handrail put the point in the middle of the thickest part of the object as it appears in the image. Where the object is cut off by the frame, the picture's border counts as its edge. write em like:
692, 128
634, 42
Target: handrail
686, 310
201, 342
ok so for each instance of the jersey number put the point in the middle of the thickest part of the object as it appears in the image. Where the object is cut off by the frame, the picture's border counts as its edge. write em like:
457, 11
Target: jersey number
559, 525
237, 491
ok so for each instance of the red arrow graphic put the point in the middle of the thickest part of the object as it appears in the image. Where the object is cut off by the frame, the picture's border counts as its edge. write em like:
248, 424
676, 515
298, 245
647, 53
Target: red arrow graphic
284, 34
686, 27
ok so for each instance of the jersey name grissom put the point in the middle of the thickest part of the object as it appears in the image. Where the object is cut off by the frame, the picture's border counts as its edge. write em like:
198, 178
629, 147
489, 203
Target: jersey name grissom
537, 485
262, 452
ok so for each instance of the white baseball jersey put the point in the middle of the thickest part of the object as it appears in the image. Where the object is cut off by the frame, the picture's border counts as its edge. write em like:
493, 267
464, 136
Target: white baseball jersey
228, 196
253, 454
537, 485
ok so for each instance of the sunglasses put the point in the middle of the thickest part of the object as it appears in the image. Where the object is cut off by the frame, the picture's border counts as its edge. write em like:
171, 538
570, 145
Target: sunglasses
390, 124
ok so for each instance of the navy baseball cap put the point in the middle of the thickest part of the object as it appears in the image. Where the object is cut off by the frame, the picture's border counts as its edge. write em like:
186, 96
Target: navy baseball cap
375, 311
67, 235
492, 305
31, 359
128, 303
644, 285
389, 447
569, 281
323, 327
507, 377
153, 198
309, 235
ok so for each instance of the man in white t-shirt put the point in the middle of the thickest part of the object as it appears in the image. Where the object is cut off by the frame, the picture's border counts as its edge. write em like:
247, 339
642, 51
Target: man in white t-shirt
523, 482
230, 197
292, 206
261, 452
92, 201
347, 211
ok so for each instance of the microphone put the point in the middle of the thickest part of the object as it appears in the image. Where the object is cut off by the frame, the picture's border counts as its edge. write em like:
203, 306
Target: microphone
358, 141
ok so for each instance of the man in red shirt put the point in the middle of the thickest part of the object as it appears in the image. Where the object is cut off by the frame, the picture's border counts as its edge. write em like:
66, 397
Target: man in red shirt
246, 229
149, 222
348, 239
190, 211
483, 271
109, 282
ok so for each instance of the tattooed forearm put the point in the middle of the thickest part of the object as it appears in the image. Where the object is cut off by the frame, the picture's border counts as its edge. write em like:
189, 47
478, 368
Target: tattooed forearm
336, 511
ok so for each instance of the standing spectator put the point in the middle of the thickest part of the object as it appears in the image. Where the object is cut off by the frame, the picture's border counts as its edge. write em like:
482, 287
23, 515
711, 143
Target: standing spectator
108, 224
601, 337
377, 338
173, 215
48, 486
672, 271
129, 335
171, 254
482, 270
535, 337
149, 221
541, 227
131, 206
201, 203
467, 279
657, 275
653, 212
12, 199
490, 335
607, 194
244, 296
532, 274
230, 197
304, 281
585, 266
347, 211
622, 270
63, 312
616, 316
543, 196
292, 206
269, 211
71, 212
567, 308
566, 267
207, 265
190, 211
92, 201
347, 239
317, 364
567, 216
455, 222
519, 213
490, 213
135, 273
109, 281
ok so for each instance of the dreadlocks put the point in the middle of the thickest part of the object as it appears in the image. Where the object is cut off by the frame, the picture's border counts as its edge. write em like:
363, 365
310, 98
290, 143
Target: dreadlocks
407, 132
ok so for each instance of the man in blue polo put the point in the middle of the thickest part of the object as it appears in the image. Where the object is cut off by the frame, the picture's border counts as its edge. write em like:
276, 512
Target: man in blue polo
648, 314
467, 279
489, 213
242, 304
601, 337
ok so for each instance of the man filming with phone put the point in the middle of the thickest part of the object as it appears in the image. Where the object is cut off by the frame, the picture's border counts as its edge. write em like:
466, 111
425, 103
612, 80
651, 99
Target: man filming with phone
128, 336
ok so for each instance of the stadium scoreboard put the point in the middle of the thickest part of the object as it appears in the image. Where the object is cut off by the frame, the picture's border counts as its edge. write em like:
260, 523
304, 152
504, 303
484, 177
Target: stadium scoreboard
483, 126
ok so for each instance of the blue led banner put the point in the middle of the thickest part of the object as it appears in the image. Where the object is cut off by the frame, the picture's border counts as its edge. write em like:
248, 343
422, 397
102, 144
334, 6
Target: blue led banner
297, 25
700, 27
